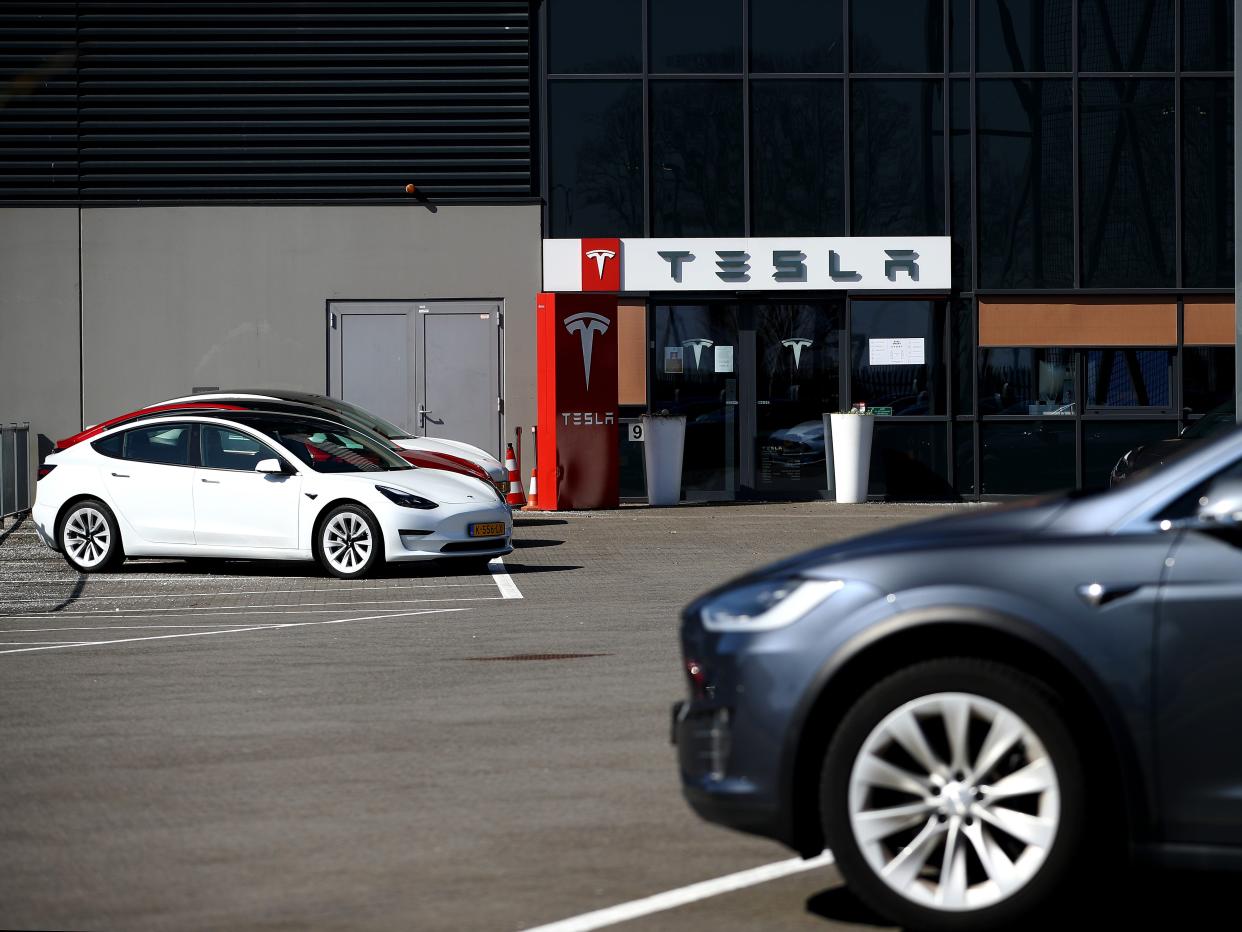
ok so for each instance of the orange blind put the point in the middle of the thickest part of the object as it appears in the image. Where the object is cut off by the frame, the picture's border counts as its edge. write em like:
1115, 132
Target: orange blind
1208, 322
1084, 322
631, 353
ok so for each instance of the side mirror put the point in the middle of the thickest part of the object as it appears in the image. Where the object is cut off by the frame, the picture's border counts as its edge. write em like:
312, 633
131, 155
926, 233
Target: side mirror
1222, 505
270, 465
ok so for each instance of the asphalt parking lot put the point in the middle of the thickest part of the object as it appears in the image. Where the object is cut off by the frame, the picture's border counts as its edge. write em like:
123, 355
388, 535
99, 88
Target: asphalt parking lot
225, 745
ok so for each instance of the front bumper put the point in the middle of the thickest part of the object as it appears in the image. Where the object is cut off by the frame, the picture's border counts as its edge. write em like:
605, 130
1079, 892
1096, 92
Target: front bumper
408, 536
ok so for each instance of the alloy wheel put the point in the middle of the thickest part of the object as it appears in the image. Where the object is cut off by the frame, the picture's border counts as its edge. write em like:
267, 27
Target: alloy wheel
954, 801
347, 542
87, 537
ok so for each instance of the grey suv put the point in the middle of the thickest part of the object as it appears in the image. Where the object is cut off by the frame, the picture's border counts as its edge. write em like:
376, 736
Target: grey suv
966, 709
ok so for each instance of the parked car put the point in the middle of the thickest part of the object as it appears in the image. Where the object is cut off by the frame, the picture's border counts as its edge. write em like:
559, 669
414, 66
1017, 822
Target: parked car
1149, 456
394, 433
981, 712
425, 459
259, 485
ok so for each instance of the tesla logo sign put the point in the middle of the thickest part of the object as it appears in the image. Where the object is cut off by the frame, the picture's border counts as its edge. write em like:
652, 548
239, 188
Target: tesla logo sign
601, 265
797, 344
586, 325
697, 346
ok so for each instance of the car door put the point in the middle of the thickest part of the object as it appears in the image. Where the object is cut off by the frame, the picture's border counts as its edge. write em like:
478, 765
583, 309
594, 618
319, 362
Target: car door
235, 506
1198, 701
149, 480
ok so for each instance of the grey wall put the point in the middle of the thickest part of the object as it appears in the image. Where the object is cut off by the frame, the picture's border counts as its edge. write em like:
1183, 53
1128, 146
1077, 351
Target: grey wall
178, 297
39, 320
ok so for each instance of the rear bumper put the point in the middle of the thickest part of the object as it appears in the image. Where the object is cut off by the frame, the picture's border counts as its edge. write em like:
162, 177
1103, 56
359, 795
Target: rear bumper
43, 519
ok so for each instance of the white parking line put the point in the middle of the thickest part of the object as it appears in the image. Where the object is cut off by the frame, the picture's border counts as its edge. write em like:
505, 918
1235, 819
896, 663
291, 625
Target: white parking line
508, 588
233, 630
215, 592
671, 899
295, 608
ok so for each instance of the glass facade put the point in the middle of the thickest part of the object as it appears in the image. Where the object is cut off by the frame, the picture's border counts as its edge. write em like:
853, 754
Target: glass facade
1071, 149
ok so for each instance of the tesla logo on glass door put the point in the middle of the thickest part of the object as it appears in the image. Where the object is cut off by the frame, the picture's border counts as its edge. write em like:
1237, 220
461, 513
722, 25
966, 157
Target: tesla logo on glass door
586, 325
601, 265
697, 346
796, 344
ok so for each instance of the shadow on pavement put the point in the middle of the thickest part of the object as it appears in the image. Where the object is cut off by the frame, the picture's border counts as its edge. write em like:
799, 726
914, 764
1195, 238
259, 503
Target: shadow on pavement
538, 522
536, 542
1142, 898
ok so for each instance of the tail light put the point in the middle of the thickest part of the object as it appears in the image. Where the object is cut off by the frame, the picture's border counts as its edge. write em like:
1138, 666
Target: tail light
46, 469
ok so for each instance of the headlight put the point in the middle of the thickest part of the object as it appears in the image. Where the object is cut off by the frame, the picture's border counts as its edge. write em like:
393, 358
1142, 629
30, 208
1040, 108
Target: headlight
405, 499
766, 605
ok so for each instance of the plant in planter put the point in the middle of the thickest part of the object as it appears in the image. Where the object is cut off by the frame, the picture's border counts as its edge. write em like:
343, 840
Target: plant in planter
851, 451
664, 438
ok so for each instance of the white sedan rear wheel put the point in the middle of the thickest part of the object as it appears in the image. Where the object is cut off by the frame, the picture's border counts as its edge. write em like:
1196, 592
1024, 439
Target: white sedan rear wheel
89, 537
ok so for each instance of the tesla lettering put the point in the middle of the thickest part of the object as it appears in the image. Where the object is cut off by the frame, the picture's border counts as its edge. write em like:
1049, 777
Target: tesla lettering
586, 325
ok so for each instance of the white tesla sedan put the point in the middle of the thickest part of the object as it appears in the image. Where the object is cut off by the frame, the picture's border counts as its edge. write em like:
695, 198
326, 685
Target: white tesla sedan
256, 485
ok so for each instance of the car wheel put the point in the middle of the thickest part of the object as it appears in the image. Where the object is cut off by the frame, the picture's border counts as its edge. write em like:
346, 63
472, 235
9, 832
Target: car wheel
89, 537
349, 543
953, 797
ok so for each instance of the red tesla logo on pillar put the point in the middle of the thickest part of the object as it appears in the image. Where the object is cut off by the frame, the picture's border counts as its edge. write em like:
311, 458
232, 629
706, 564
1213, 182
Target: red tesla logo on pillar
601, 265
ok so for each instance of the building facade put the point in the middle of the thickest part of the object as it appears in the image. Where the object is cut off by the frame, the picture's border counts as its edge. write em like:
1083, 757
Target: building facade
211, 194
1077, 153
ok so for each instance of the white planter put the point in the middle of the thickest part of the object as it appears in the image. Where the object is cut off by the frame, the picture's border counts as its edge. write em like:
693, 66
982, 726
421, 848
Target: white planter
851, 454
664, 442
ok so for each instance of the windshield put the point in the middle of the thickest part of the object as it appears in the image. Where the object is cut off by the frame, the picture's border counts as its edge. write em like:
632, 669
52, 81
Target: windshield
325, 446
1215, 421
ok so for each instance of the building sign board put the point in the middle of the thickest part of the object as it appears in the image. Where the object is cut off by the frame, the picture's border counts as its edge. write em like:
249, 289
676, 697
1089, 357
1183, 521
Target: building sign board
813, 263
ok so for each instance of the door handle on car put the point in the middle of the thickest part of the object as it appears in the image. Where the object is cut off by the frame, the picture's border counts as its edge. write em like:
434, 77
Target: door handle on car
210, 481
121, 475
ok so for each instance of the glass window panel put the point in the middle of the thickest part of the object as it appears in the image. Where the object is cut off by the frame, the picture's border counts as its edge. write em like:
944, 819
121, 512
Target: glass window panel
1207, 35
696, 36
1026, 184
960, 146
1207, 377
1126, 157
797, 359
1027, 458
907, 389
1122, 35
696, 152
963, 336
595, 142
1027, 380
1207, 183
165, 443
899, 35
897, 143
595, 38
1105, 443
964, 458
910, 462
222, 448
795, 36
797, 171
1129, 378
959, 35
1025, 35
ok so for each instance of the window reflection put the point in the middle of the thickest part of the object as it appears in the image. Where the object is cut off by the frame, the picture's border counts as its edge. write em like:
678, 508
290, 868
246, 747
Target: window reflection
695, 36
1207, 183
1024, 35
795, 36
1207, 377
907, 388
1207, 35
696, 153
1026, 380
1121, 35
595, 37
897, 142
798, 166
1129, 378
595, 143
1026, 459
898, 35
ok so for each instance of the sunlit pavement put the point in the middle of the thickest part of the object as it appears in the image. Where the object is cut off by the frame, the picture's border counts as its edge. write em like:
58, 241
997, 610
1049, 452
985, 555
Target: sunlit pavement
414, 751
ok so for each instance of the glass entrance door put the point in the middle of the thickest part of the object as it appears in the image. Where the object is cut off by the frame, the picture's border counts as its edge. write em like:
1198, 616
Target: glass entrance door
797, 381
695, 372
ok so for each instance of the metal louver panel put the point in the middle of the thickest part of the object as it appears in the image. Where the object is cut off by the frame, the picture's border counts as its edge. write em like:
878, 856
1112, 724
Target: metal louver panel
210, 101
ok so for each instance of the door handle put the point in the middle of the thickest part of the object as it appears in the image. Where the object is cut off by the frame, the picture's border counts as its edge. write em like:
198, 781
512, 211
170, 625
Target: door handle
210, 481
424, 415
121, 475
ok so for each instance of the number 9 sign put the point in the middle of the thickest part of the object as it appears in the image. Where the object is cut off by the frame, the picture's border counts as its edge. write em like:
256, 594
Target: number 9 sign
636, 432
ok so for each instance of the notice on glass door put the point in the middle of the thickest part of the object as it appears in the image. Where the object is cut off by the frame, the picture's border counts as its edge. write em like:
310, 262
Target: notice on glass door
724, 358
896, 351
673, 362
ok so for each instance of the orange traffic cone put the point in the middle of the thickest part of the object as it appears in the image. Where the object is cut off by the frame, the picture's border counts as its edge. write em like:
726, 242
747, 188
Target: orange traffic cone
516, 497
533, 505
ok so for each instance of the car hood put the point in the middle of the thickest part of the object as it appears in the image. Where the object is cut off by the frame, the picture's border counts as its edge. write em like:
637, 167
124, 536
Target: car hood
445, 488
492, 466
981, 523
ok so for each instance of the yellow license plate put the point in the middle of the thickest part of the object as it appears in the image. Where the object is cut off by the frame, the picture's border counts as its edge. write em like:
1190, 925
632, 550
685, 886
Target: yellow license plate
491, 529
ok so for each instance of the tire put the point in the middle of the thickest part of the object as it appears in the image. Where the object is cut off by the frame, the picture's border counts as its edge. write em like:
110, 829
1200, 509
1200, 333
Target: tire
897, 864
89, 537
348, 542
